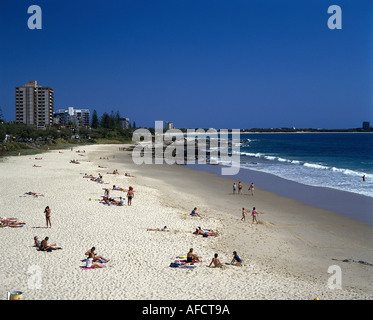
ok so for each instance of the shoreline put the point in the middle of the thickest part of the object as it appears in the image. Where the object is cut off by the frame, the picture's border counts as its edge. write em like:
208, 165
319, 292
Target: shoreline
286, 256
349, 204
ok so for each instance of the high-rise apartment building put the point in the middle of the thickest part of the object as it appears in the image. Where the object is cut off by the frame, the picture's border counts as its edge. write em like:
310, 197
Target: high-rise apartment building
366, 125
168, 125
34, 104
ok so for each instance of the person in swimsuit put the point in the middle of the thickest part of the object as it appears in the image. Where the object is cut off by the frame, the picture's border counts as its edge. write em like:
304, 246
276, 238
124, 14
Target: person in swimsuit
91, 252
191, 257
195, 213
239, 187
236, 259
130, 195
118, 188
234, 188
158, 229
243, 214
37, 242
216, 261
47, 212
205, 232
34, 194
253, 214
44, 246
90, 264
252, 188
128, 175
10, 222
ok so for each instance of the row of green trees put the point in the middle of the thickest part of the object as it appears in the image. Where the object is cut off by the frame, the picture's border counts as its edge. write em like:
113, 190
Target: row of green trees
108, 126
107, 121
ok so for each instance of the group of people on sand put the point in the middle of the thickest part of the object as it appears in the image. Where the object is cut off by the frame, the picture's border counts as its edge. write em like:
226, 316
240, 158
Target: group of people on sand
251, 188
74, 161
254, 214
236, 261
193, 258
43, 244
93, 258
94, 179
108, 200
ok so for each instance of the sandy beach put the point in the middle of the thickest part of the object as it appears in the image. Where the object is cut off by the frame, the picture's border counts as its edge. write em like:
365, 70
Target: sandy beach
285, 256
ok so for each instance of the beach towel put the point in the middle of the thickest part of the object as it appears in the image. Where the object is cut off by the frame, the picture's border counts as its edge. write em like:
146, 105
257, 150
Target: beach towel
90, 268
182, 264
101, 260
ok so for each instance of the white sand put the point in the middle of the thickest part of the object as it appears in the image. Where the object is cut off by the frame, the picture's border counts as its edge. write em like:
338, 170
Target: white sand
140, 259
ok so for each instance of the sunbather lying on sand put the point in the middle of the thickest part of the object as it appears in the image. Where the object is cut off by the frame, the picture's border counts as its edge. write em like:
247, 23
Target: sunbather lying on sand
35, 166
205, 232
110, 201
118, 188
158, 229
119, 202
34, 194
128, 175
11, 224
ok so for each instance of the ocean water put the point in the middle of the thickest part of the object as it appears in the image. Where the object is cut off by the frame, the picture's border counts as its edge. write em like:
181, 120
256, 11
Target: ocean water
333, 160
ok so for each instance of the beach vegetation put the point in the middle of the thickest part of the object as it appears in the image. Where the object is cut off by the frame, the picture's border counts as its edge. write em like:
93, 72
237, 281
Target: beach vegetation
16, 137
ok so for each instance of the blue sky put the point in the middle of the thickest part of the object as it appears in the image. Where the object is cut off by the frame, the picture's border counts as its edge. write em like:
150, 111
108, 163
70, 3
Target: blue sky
206, 63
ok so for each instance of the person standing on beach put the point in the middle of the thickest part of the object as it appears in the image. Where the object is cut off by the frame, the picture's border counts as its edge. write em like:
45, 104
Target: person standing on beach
252, 188
130, 195
243, 214
253, 214
47, 212
239, 187
234, 188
